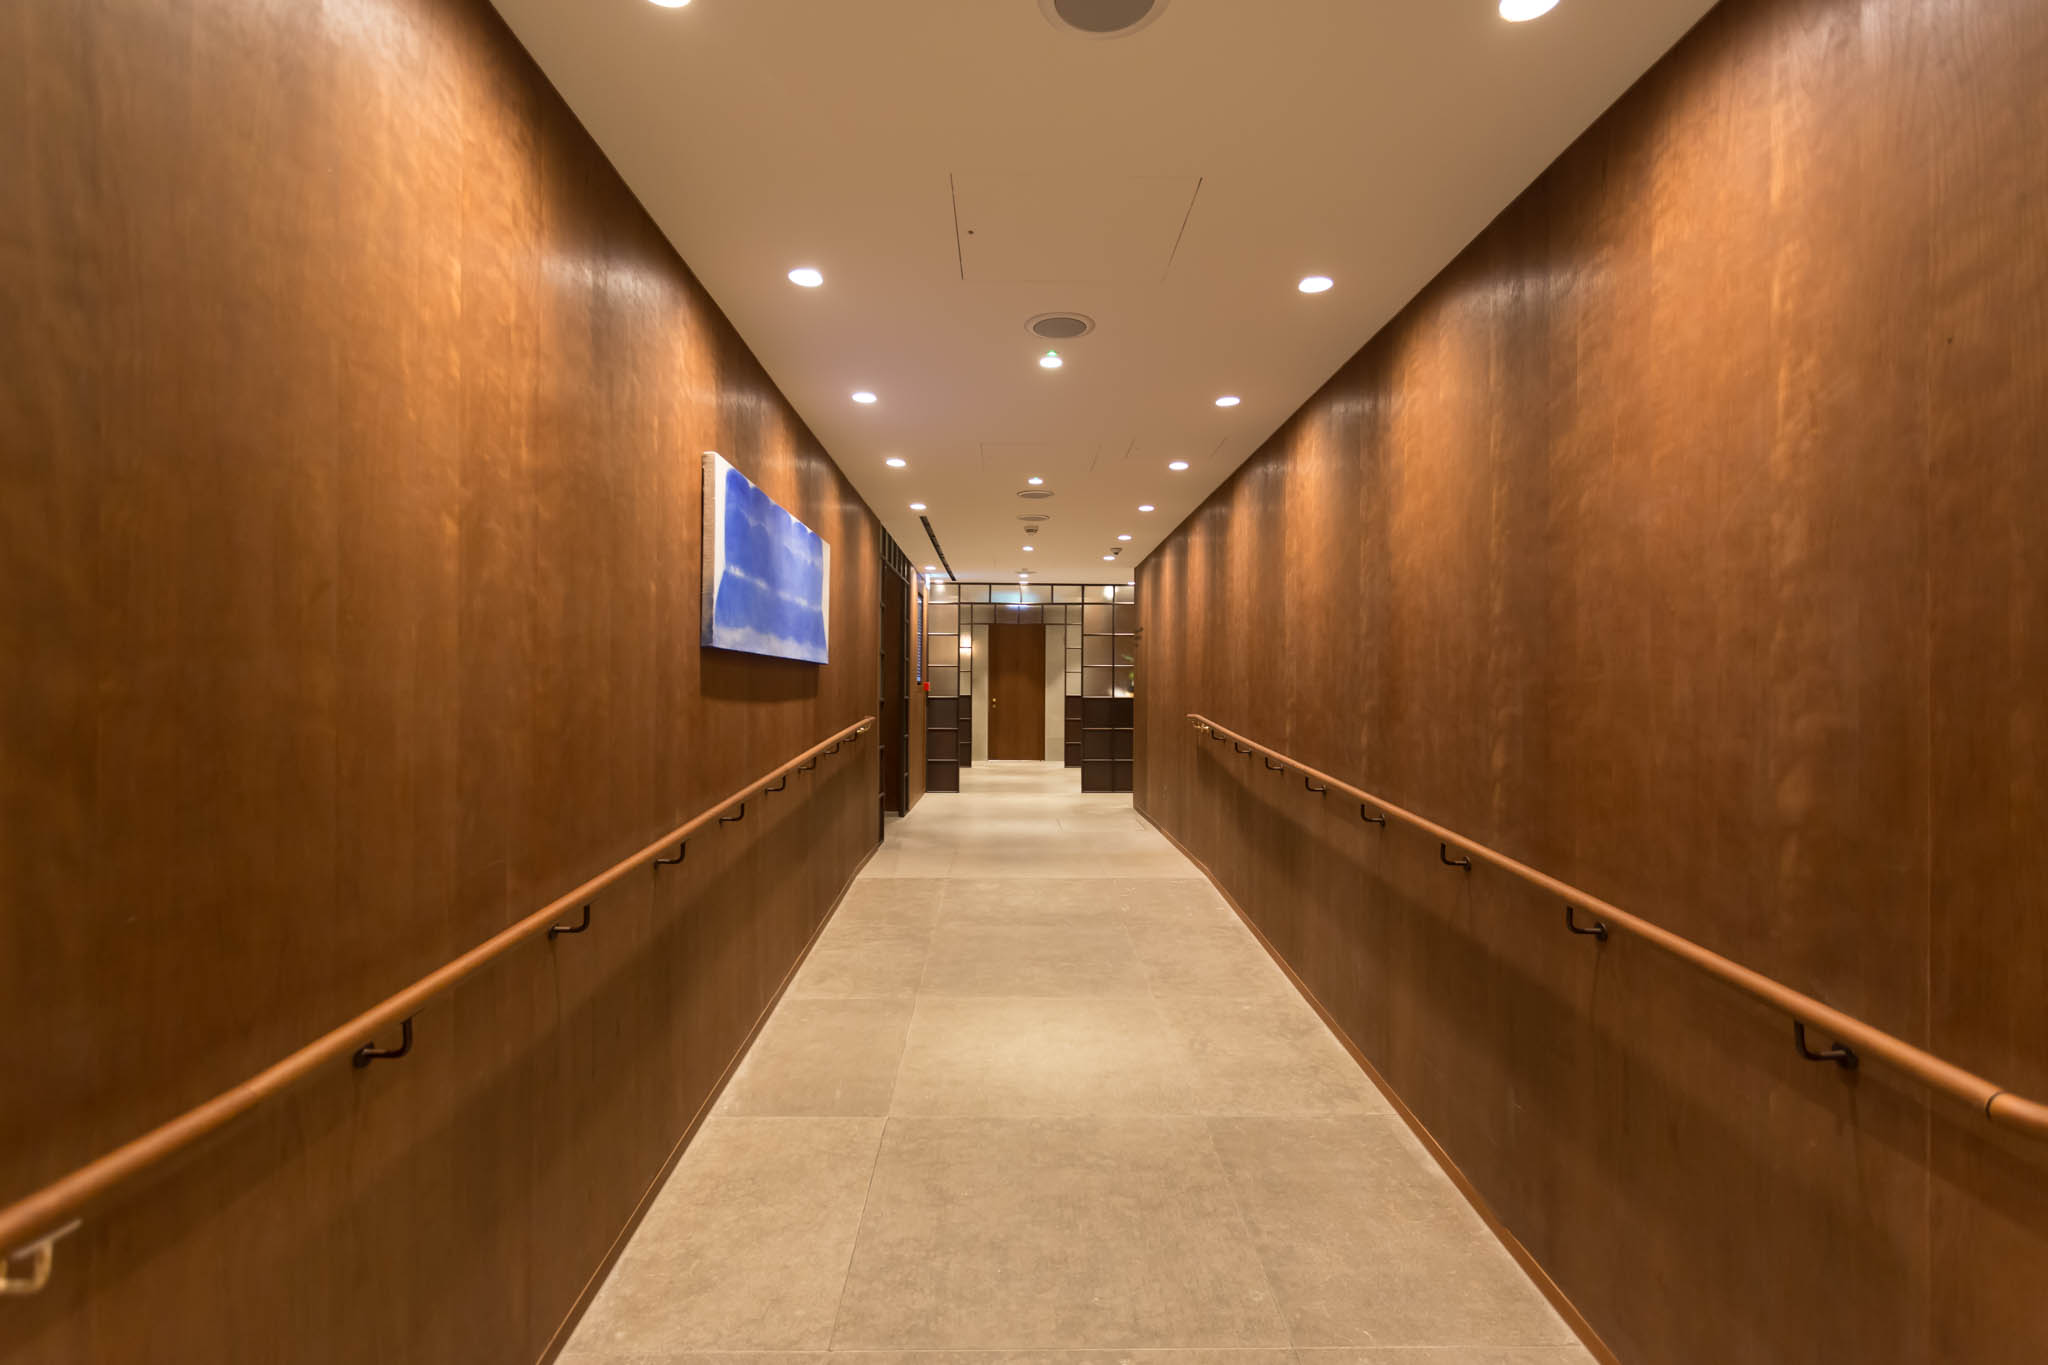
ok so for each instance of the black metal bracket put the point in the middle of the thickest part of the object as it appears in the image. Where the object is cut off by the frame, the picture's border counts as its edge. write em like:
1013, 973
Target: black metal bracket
1239, 747
370, 1052
833, 750
806, 767
734, 819
557, 930
1599, 929
1443, 853
1380, 820
785, 783
1213, 735
682, 852
1273, 767
1839, 1055
1319, 791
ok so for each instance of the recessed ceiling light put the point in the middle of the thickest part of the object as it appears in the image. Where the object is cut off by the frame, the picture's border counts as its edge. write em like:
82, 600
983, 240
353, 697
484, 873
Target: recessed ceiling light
1228, 400
917, 507
1034, 481
1146, 507
1123, 537
1178, 465
1050, 361
1029, 548
863, 397
895, 462
1108, 558
1316, 284
671, 4
931, 568
806, 276
1515, 11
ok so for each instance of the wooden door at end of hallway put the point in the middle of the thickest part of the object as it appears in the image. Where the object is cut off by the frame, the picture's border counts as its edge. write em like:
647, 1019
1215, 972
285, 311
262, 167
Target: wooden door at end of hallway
1016, 691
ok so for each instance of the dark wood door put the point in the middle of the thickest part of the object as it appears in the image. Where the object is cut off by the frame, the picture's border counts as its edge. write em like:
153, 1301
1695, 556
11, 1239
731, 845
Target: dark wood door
1016, 691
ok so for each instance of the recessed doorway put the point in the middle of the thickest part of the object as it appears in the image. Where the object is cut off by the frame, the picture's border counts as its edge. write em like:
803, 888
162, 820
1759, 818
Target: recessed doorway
1016, 692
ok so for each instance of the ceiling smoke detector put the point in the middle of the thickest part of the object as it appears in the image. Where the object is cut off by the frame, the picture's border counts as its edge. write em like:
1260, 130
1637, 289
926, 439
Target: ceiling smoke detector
1102, 18
1060, 326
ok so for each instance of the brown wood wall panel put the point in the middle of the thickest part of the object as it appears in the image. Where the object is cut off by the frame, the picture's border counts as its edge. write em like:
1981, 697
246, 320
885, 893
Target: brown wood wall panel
349, 509
1682, 540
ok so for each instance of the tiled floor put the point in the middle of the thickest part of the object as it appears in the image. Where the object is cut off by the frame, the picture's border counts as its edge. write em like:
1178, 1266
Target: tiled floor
1038, 1095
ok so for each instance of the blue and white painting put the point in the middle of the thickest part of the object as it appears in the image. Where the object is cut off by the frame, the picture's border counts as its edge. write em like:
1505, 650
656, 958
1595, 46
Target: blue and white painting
767, 576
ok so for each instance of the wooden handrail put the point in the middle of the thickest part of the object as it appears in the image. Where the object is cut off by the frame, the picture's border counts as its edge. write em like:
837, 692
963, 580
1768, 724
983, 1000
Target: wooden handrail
2001, 1106
28, 1225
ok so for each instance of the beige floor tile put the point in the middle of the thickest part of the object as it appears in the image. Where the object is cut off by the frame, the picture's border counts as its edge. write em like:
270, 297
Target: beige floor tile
1067, 957
1008, 1234
1225, 961
1039, 1056
877, 911
1368, 1244
893, 896
822, 1056
1266, 1056
1018, 900
1169, 1356
862, 965
747, 1244
908, 867
1147, 1356
1184, 901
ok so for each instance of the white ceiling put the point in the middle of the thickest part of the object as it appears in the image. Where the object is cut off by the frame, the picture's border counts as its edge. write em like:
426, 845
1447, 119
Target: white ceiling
1174, 184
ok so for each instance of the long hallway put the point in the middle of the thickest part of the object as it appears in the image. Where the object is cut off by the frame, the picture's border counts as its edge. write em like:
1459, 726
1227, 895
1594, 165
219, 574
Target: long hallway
1036, 1089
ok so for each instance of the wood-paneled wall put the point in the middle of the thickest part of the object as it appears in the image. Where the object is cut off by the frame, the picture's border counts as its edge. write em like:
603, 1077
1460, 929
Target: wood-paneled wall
349, 513
1687, 538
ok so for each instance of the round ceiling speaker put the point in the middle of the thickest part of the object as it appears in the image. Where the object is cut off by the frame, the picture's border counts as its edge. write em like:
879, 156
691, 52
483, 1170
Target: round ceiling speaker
1033, 516
1061, 326
1102, 18
1033, 493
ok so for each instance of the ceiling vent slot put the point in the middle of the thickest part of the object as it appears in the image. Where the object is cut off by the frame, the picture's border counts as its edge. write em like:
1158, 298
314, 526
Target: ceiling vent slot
1102, 18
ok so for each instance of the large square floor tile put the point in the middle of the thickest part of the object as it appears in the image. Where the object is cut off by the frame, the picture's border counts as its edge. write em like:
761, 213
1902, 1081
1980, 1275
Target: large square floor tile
1368, 1244
1036, 900
1185, 901
746, 1245
1067, 957
1010, 1234
1266, 1056
863, 965
821, 1056
1192, 959
1041, 1056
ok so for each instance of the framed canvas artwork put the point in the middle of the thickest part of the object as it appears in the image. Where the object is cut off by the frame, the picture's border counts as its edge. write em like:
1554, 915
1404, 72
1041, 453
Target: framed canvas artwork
767, 576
